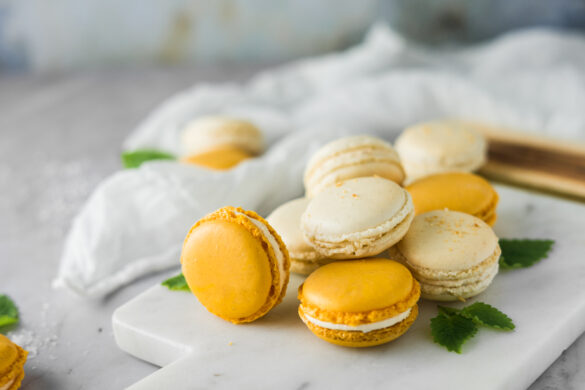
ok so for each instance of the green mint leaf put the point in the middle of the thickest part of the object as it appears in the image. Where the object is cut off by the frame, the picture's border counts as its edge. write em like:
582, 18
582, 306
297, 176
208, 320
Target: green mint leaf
176, 283
452, 331
8, 311
135, 158
486, 315
448, 311
523, 253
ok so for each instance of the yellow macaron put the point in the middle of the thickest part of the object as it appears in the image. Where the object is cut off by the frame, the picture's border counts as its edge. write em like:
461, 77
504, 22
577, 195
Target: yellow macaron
221, 158
457, 191
236, 264
359, 303
220, 142
12, 359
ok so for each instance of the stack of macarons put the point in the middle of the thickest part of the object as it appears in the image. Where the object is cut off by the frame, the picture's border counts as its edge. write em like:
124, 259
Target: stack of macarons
354, 205
354, 218
361, 217
219, 142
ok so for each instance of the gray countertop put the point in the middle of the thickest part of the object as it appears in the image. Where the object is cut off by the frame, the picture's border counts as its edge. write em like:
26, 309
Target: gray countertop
60, 135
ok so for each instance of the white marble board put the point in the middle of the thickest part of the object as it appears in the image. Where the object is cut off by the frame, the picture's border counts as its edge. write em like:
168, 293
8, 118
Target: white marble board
547, 302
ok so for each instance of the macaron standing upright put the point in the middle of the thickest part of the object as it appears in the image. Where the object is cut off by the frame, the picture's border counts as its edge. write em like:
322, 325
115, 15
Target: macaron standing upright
357, 218
12, 359
235, 264
457, 191
351, 157
441, 146
453, 255
286, 220
359, 303
220, 143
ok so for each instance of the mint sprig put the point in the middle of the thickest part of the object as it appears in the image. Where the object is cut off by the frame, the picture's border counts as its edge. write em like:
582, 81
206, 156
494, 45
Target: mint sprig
447, 311
452, 331
176, 283
8, 312
135, 158
452, 327
486, 315
522, 253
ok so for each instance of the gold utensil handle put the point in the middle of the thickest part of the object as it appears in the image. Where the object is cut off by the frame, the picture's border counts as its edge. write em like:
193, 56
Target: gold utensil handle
535, 161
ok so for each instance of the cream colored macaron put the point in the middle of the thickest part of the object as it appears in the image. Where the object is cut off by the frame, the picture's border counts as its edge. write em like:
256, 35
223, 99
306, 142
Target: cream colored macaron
441, 146
351, 157
357, 218
208, 133
452, 254
286, 220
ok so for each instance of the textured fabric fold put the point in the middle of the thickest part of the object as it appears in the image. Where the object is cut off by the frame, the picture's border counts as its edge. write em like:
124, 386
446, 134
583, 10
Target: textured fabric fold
135, 221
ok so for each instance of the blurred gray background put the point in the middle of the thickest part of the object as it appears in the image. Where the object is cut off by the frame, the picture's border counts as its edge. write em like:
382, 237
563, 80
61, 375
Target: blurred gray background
57, 35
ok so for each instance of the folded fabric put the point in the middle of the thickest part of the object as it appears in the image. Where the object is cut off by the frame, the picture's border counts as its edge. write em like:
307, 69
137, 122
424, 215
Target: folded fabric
135, 221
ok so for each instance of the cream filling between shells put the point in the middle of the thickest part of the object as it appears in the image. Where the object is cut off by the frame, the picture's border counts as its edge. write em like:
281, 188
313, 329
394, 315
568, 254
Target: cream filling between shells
365, 328
7, 385
274, 243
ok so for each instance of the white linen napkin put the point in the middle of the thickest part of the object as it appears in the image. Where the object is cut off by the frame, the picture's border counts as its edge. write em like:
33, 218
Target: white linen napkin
135, 221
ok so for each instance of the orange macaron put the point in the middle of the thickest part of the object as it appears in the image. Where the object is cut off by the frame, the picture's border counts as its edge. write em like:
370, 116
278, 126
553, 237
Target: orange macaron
12, 359
236, 264
457, 191
359, 303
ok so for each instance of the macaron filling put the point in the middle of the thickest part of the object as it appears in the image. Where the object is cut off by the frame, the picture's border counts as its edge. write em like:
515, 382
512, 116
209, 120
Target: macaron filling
7, 385
365, 328
469, 283
426, 273
273, 243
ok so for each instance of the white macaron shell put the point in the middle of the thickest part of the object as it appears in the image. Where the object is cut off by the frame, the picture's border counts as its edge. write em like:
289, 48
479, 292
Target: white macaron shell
286, 220
353, 207
448, 241
441, 146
